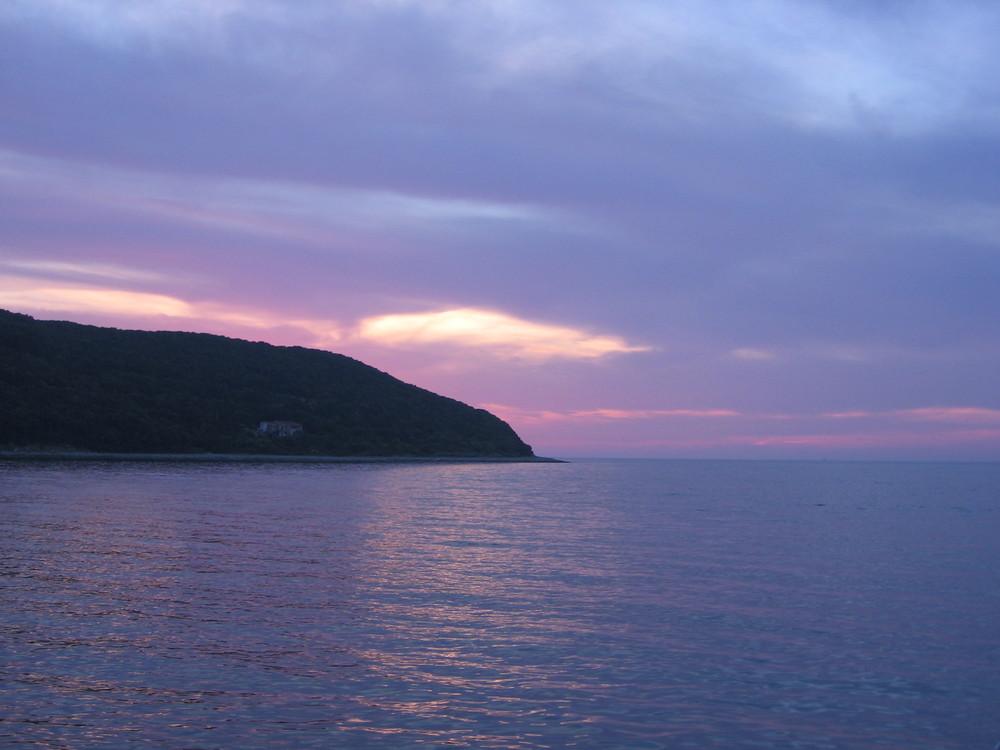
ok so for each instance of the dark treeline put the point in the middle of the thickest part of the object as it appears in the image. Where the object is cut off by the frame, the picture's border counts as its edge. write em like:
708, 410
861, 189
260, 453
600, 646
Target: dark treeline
65, 386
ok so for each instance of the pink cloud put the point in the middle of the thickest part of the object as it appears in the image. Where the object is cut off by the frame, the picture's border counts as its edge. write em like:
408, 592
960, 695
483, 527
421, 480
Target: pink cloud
961, 415
871, 445
723, 432
592, 415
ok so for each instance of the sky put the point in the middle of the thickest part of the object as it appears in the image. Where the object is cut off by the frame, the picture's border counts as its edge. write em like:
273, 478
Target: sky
752, 229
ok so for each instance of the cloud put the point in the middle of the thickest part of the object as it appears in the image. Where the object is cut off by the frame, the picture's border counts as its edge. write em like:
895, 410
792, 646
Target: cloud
826, 65
876, 439
948, 414
854, 441
819, 65
263, 206
122, 22
134, 308
719, 431
116, 302
959, 415
799, 197
652, 413
752, 354
530, 416
952, 415
502, 335
69, 287
961, 218
108, 271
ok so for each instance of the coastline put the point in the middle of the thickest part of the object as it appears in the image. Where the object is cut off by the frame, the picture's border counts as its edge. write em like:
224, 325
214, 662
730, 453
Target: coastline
272, 459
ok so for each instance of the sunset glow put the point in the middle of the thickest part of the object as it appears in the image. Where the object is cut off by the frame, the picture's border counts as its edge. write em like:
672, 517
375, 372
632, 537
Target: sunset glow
630, 229
73, 300
502, 335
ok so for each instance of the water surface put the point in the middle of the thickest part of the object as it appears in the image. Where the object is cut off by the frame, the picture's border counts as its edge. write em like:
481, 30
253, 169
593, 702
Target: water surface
596, 604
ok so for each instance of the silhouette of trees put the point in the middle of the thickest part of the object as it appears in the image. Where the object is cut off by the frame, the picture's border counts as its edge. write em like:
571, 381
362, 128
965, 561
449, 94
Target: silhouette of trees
70, 386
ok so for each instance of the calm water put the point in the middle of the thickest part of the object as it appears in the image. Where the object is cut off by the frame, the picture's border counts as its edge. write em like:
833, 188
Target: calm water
601, 604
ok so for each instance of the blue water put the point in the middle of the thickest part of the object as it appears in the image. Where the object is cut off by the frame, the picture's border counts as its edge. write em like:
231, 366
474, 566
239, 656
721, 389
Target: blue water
594, 604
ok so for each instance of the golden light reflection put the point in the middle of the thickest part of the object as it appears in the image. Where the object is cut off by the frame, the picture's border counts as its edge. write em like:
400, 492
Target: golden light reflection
502, 335
459, 568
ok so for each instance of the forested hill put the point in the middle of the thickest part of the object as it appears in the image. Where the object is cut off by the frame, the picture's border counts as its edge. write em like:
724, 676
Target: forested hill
65, 386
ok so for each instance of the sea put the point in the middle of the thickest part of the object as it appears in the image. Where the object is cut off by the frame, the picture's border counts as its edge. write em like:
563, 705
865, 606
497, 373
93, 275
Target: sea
631, 604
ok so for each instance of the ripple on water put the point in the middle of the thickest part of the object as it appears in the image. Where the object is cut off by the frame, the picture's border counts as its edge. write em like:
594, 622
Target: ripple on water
588, 605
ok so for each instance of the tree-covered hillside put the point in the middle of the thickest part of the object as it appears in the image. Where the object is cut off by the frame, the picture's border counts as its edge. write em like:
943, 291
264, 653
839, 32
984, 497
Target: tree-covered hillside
67, 386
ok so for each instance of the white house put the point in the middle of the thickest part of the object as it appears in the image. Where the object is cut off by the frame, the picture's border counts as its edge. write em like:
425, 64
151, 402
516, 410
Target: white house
279, 428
